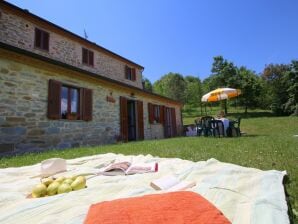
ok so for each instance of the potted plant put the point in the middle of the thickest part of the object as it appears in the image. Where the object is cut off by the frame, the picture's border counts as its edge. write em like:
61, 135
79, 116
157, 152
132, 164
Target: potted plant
72, 116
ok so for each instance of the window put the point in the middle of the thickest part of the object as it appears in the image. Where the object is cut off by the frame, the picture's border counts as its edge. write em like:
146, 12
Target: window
130, 73
155, 113
87, 57
41, 39
69, 102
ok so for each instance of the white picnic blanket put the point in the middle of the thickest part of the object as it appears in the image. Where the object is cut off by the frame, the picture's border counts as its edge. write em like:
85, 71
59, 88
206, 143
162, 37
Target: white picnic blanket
244, 195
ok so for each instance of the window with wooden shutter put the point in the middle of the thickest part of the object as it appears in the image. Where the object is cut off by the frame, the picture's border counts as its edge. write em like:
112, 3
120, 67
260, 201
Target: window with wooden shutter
140, 120
54, 98
162, 114
69, 102
87, 105
87, 57
130, 73
41, 39
123, 119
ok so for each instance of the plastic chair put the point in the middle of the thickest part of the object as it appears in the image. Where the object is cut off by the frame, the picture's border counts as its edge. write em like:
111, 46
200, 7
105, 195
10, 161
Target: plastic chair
234, 128
217, 128
206, 125
199, 126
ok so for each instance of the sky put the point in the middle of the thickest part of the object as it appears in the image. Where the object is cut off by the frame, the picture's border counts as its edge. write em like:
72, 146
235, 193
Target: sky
181, 36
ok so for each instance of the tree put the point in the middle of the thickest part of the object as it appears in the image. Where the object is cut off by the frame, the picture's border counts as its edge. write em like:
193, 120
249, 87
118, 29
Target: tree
171, 85
291, 78
147, 84
251, 87
193, 91
277, 79
224, 74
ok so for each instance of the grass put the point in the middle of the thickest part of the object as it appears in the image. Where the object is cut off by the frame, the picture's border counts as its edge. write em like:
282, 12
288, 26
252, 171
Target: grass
268, 144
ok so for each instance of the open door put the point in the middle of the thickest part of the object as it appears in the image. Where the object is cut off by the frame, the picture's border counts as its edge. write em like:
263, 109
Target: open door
123, 119
140, 116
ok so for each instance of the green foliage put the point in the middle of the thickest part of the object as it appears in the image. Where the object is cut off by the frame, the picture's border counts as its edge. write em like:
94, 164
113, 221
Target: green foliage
193, 91
277, 78
171, 85
147, 85
291, 106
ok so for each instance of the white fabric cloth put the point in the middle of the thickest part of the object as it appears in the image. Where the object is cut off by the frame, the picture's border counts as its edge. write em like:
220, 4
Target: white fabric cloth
244, 195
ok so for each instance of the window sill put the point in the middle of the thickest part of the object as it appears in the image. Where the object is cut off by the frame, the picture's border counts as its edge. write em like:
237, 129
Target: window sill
41, 49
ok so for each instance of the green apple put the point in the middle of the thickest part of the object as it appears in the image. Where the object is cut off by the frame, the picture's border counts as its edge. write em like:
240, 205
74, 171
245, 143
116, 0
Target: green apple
68, 181
79, 183
39, 190
60, 179
47, 181
64, 188
53, 188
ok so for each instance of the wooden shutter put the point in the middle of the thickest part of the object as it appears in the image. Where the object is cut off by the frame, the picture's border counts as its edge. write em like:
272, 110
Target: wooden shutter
45, 40
162, 114
84, 56
140, 120
54, 99
91, 58
174, 127
133, 74
151, 113
127, 71
123, 119
37, 41
87, 105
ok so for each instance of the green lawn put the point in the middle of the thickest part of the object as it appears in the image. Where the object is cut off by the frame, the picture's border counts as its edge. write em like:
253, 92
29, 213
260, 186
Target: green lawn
269, 144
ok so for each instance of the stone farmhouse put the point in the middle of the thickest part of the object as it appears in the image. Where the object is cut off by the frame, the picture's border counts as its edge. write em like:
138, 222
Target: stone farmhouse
59, 90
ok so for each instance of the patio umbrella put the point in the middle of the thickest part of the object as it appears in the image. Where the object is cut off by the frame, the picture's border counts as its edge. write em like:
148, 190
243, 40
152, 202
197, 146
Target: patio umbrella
220, 94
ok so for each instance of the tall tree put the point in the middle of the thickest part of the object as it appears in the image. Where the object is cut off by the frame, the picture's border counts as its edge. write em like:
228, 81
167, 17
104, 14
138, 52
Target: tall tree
276, 77
193, 91
224, 74
171, 85
251, 87
291, 106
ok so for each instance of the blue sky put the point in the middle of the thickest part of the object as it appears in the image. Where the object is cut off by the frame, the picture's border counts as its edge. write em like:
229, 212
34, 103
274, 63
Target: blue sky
181, 36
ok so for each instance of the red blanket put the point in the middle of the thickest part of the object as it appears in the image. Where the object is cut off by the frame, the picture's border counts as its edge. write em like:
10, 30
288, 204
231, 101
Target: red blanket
169, 208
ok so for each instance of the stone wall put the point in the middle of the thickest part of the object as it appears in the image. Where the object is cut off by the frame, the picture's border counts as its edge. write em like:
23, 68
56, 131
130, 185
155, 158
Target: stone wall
23, 111
17, 31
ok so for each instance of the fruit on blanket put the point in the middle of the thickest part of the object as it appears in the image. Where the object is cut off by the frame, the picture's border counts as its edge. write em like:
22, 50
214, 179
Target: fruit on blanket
73, 177
68, 181
39, 190
53, 188
47, 181
64, 188
60, 179
79, 183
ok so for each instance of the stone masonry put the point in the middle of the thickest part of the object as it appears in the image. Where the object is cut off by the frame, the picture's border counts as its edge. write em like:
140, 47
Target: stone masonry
23, 112
17, 31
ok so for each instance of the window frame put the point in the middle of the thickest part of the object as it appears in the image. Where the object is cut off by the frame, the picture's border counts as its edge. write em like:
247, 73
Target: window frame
89, 60
156, 113
130, 73
68, 115
41, 39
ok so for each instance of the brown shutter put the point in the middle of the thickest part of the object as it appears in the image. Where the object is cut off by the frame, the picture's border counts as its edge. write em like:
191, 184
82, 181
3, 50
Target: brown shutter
84, 56
140, 120
174, 121
151, 113
162, 114
123, 119
54, 99
91, 58
87, 105
45, 40
37, 38
127, 70
133, 71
